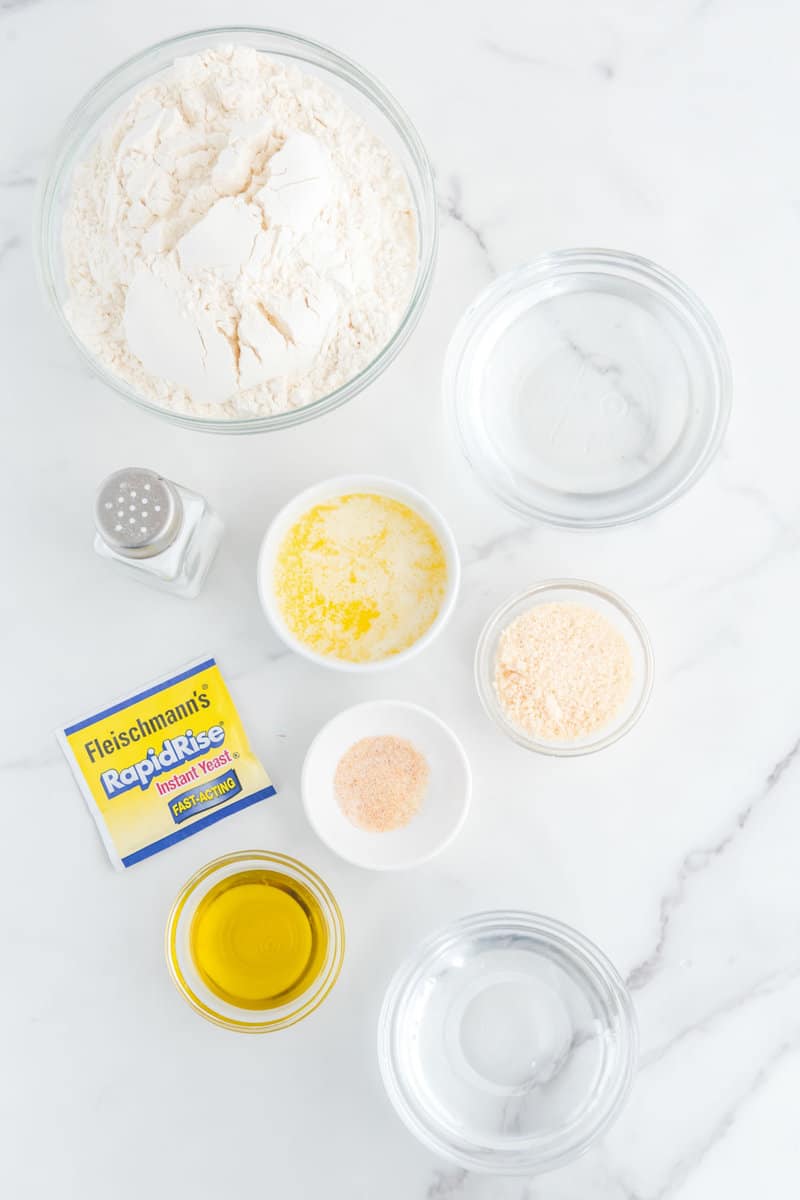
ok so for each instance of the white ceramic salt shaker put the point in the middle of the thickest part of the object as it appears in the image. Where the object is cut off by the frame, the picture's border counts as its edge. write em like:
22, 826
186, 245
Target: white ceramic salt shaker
161, 532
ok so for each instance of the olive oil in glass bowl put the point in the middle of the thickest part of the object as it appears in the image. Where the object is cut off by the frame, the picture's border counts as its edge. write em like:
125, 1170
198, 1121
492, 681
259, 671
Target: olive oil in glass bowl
255, 941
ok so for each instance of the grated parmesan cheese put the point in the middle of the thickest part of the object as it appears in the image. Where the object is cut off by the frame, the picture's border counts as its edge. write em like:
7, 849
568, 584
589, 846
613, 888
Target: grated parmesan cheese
562, 671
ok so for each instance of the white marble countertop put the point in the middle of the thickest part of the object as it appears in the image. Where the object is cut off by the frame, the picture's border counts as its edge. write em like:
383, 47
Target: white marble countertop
666, 129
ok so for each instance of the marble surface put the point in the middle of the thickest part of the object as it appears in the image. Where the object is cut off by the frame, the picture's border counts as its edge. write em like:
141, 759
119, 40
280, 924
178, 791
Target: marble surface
663, 128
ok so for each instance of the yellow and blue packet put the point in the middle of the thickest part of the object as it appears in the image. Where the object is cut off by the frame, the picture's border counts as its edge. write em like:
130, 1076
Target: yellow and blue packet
164, 763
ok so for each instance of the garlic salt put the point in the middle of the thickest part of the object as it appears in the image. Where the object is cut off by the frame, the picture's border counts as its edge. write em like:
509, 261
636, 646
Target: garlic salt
164, 533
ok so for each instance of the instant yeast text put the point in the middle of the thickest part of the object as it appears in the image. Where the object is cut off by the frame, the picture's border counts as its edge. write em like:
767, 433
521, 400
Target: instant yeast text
165, 762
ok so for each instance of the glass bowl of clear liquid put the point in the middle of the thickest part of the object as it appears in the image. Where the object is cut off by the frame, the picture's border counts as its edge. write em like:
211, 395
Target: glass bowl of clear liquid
507, 1043
589, 388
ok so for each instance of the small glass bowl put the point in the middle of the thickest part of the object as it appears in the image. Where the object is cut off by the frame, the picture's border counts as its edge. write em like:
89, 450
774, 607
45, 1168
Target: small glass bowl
186, 977
615, 610
364, 94
507, 1043
589, 388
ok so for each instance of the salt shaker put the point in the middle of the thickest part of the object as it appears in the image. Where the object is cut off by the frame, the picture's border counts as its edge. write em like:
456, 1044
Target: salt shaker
164, 533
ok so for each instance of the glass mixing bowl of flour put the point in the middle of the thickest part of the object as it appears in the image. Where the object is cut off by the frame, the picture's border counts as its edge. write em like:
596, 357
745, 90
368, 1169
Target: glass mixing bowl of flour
319, 330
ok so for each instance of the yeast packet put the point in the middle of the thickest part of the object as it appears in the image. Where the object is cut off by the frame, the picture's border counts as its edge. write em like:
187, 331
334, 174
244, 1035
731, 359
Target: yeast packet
164, 763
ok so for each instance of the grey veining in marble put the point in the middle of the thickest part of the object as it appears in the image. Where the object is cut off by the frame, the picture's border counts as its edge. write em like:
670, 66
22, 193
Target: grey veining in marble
664, 129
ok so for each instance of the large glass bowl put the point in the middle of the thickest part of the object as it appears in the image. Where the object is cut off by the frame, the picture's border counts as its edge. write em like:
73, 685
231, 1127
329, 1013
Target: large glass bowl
507, 1043
368, 98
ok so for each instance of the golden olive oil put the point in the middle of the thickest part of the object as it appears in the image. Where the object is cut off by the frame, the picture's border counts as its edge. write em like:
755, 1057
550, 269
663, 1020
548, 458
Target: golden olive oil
258, 939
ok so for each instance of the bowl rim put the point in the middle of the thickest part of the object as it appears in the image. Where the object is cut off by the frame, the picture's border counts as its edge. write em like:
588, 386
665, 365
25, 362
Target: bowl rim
466, 797
337, 485
594, 962
483, 662
576, 261
73, 132
310, 1000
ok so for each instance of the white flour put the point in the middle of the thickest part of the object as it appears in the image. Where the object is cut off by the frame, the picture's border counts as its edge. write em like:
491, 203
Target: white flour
238, 242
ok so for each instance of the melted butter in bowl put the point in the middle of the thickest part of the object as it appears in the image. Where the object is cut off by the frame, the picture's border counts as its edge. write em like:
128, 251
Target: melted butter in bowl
358, 572
360, 577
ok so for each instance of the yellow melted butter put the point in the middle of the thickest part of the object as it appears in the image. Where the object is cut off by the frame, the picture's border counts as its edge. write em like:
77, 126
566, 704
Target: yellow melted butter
258, 939
361, 577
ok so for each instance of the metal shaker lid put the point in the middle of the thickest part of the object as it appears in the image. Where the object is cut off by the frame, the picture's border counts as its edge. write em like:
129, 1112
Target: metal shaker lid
137, 513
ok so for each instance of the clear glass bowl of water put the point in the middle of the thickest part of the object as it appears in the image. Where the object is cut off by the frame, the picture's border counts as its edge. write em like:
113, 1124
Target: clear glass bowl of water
507, 1043
589, 388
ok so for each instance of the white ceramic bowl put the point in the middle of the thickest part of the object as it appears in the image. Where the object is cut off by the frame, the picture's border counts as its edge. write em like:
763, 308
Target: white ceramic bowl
340, 485
444, 807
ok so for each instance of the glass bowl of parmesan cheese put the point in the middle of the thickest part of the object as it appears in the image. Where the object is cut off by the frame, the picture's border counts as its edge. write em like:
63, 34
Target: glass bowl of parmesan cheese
565, 668
238, 229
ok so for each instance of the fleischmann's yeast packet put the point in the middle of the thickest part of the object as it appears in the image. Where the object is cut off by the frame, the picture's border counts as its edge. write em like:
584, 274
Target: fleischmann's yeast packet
164, 763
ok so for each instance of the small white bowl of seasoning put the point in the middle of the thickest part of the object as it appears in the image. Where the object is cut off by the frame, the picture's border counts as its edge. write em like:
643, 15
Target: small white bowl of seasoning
386, 785
566, 668
358, 573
